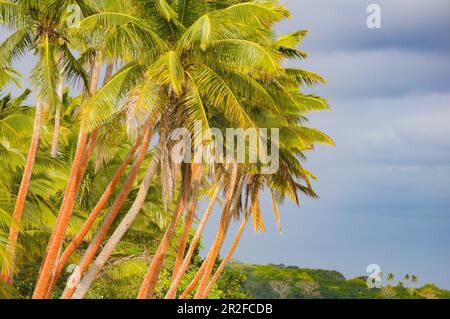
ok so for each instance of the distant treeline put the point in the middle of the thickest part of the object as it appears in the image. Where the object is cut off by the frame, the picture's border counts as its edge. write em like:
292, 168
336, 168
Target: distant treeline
281, 282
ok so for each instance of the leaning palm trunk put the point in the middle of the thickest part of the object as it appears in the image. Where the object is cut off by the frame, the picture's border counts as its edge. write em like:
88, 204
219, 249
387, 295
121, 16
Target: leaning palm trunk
210, 260
199, 274
171, 293
56, 240
227, 258
57, 127
185, 235
58, 266
150, 279
219, 237
152, 276
109, 219
82, 170
7, 276
57, 237
68, 252
120, 231
196, 278
184, 239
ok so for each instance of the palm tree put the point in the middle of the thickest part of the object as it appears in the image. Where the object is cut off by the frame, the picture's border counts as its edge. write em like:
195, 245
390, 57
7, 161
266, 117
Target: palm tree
407, 278
284, 182
13, 119
95, 111
16, 122
170, 61
37, 27
176, 83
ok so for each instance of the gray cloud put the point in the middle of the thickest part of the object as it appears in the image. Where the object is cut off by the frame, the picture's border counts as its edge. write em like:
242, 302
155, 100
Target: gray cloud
412, 25
381, 73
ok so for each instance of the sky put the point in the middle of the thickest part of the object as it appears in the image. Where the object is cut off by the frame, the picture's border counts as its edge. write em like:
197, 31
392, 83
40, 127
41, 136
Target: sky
385, 189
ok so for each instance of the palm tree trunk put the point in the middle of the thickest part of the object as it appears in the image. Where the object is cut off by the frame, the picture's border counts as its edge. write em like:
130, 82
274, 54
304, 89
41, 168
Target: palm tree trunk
149, 281
219, 237
95, 212
196, 279
120, 231
61, 224
48, 267
184, 239
171, 293
83, 166
60, 92
7, 276
212, 255
185, 235
227, 258
201, 271
109, 219
82, 170
57, 269
152, 276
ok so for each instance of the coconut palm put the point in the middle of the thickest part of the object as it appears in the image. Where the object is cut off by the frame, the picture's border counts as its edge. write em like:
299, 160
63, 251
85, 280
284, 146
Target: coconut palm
407, 278
102, 23
15, 130
168, 64
171, 62
37, 27
291, 147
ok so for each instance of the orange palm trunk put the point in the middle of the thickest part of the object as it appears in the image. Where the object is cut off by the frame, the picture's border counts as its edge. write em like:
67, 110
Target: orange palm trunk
95, 212
119, 232
214, 251
109, 219
196, 279
81, 171
227, 258
149, 282
171, 293
7, 276
219, 237
56, 240
187, 228
152, 276
61, 224
57, 127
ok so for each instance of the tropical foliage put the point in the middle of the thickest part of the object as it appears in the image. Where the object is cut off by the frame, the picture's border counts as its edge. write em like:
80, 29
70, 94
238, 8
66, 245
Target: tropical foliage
90, 190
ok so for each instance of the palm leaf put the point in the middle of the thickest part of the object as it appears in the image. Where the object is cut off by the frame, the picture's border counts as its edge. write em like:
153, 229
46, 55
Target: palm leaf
103, 104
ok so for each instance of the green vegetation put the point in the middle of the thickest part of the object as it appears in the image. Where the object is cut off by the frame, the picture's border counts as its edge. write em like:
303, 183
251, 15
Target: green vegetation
279, 281
124, 271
